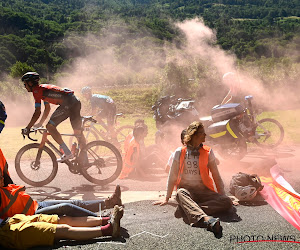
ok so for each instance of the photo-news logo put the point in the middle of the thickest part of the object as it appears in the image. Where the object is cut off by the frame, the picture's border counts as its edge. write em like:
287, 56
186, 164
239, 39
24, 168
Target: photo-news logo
263, 238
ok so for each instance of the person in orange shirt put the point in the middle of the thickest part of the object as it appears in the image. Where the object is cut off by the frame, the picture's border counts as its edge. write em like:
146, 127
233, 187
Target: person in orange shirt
189, 173
134, 153
138, 122
14, 200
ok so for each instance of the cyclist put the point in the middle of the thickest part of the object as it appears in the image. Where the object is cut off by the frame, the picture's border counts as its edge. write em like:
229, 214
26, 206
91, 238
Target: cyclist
102, 106
69, 107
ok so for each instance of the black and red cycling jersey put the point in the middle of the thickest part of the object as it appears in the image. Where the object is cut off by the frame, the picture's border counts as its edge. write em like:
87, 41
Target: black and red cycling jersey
50, 94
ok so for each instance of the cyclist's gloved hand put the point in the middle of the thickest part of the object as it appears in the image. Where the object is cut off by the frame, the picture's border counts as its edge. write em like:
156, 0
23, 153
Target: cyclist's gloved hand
25, 131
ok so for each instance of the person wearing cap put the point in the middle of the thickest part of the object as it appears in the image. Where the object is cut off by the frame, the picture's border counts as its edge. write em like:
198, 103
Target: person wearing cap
196, 194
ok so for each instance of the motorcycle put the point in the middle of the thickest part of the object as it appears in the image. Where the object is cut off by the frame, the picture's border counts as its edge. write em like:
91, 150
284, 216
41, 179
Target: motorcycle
170, 110
231, 126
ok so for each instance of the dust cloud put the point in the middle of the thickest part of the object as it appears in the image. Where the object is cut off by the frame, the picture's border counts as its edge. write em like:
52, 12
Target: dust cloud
112, 60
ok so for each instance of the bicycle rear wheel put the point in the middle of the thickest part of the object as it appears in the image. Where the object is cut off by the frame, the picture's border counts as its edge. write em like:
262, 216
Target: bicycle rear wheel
32, 172
89, 135
101, 162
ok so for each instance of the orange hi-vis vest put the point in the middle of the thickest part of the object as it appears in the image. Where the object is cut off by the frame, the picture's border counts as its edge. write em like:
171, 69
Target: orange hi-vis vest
128, 164
204, 171
3, 163
127, 141
15, 201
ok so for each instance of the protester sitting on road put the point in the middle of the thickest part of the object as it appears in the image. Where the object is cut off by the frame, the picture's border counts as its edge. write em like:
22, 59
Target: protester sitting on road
3, 163
102, 107
189, 172
23, 232
132, 162
14, 200
138, 122
69, 107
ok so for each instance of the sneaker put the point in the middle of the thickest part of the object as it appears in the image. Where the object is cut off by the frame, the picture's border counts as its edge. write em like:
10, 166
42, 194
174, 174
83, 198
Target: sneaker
65, 157
115, 199
117, 214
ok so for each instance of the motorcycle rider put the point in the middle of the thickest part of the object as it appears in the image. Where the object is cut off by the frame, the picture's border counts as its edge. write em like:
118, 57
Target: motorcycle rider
232, 81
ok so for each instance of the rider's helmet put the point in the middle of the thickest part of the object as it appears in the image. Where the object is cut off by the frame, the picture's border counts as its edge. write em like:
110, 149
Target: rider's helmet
86, 90
246, 193
31, 76
229, 77
232, 81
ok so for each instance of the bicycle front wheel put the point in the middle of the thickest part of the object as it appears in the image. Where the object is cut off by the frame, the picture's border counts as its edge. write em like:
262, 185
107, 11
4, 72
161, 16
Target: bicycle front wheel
101, 162
269, 133
33, 170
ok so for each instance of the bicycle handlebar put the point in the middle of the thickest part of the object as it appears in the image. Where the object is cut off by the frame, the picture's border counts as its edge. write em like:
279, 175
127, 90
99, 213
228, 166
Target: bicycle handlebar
32, 130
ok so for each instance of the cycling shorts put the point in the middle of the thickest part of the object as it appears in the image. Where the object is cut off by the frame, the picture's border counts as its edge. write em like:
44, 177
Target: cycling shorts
69, 109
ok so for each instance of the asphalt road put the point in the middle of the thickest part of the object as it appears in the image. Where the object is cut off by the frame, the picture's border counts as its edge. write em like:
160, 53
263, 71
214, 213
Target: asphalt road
145, 226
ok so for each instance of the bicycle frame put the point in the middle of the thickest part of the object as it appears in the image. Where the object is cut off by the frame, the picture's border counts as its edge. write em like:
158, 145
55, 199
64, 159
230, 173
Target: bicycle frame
45, 141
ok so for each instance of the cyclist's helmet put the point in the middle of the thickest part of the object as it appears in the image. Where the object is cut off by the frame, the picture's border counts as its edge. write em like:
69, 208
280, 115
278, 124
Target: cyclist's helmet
31, 76
86, 90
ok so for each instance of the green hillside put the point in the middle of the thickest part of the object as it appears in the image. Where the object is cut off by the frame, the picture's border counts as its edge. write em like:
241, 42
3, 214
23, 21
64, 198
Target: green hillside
34, 31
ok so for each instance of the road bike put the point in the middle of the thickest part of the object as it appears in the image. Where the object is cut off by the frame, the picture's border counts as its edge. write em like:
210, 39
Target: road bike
93, 132
99, 162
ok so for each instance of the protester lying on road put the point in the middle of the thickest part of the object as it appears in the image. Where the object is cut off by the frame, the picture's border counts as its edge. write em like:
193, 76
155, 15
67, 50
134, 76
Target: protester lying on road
196, 195
14, 200
23, 232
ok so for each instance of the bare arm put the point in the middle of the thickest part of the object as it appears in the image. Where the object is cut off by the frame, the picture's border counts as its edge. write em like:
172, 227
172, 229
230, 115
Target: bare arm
227, 98
35, 117
173, 174
216, 176
45, 114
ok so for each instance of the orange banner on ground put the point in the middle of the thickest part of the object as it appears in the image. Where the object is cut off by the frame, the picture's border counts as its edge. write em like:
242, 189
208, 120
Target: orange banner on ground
281, 196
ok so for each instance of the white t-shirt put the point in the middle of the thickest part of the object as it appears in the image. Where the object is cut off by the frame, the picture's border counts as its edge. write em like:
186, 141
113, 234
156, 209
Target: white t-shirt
191, 178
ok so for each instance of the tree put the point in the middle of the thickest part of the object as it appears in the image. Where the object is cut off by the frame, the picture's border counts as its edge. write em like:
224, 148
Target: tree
19, 68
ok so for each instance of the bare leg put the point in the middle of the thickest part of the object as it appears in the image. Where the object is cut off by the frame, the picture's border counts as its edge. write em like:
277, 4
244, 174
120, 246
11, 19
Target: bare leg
64, 231
81, 139
55, 134
88, 221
